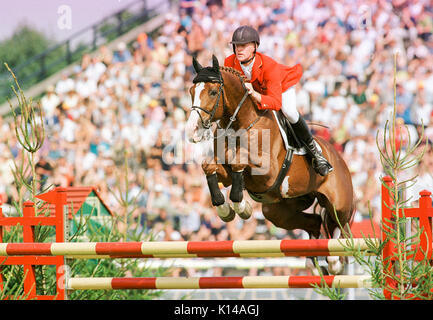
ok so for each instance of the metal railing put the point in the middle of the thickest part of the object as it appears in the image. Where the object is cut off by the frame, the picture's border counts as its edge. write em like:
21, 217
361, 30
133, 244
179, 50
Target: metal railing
43, 65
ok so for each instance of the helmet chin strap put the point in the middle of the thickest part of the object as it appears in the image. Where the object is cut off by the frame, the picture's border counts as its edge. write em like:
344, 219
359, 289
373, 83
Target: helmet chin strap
249, 60
253, 56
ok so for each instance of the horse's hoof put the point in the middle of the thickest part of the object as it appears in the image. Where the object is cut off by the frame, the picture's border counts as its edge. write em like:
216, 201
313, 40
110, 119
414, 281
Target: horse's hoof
246, 212
315, 270
335, 266
324, 271
238, 206
230, 217
225, 212
309, 265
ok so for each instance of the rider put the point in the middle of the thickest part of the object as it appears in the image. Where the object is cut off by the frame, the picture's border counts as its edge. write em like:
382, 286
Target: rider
272, 86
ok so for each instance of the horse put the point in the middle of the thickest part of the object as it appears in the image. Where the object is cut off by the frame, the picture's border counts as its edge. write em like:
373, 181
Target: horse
283, 182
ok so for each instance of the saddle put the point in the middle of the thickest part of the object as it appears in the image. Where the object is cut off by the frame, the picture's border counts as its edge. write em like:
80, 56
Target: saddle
288, 134
293, 146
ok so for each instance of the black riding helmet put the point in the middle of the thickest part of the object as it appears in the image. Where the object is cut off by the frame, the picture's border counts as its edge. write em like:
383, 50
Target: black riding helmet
245, 34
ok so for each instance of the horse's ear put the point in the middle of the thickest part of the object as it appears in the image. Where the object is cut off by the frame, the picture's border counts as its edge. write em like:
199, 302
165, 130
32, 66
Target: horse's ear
197, 66
215, 63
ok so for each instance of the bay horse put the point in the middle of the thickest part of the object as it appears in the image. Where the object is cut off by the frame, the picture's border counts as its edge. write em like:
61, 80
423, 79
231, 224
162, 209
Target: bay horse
284, 182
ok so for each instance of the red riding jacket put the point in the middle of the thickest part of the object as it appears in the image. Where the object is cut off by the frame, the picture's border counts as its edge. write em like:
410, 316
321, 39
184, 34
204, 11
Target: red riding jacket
269, 78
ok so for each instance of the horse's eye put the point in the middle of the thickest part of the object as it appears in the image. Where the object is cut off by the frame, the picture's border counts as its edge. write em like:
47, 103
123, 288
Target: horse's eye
213, 93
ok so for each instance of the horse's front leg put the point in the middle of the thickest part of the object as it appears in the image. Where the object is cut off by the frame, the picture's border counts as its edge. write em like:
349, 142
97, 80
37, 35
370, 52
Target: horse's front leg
216, 173
242, 207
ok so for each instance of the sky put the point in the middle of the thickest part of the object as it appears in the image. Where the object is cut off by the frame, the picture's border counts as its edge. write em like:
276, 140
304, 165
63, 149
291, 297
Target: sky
58, 19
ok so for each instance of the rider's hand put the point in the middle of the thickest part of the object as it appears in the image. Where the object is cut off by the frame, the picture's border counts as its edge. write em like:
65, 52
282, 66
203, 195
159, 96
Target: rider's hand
252, 92
249, 87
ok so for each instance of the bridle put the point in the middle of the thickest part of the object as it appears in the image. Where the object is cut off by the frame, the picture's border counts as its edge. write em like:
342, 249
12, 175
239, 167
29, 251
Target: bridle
208, 123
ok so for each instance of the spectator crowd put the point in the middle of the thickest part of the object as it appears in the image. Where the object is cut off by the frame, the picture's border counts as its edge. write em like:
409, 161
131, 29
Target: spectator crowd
130, 104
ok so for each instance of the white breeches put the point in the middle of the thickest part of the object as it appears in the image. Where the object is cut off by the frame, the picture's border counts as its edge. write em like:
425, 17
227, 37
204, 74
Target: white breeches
289, 105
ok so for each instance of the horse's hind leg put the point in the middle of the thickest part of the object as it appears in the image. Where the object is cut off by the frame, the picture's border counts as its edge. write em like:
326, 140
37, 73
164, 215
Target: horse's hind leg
336, 196
335, 263
310, 260
336, 218
289, 215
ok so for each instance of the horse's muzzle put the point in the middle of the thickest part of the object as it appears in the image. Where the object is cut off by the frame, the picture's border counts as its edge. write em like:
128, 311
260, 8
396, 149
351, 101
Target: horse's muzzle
193, 128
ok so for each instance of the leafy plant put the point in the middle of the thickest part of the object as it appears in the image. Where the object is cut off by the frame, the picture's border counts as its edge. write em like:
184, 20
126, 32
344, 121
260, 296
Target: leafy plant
400, 275
30, 133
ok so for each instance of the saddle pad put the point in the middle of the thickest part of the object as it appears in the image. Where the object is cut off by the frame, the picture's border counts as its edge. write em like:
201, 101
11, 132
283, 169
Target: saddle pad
297, 151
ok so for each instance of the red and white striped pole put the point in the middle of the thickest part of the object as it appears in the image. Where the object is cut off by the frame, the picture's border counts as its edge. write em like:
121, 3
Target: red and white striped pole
173, 249
247, 282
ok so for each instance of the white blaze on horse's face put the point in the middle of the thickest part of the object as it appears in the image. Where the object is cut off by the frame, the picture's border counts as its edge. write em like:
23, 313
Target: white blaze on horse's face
194, 127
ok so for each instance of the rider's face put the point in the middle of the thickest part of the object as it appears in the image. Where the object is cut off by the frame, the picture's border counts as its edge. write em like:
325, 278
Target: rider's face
244, 52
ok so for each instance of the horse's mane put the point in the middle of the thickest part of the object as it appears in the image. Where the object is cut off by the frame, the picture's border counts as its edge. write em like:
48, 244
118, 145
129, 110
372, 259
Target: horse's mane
234, 72
241, 77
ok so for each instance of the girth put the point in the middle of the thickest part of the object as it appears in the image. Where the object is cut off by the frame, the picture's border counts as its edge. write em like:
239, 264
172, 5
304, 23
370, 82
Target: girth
267, 196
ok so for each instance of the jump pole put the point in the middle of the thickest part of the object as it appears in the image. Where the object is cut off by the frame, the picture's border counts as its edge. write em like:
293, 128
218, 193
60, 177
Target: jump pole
189, 249
247, 282
183, 249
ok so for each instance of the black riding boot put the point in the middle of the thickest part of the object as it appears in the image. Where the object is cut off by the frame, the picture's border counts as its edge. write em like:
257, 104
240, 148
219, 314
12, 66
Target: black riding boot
320, 164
